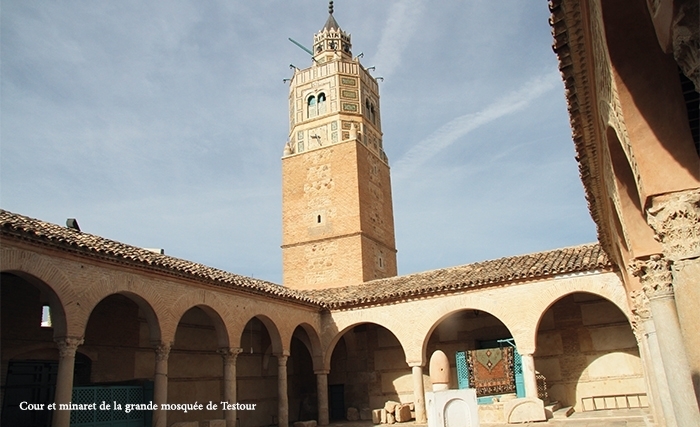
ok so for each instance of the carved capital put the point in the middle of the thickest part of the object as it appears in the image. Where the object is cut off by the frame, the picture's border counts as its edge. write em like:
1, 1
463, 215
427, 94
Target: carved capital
686, 39
162, 351
655, 275
67, 346
675, 219
229, 354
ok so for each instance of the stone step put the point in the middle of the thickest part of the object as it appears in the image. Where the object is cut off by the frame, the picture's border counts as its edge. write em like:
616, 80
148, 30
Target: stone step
564, 412
551, 408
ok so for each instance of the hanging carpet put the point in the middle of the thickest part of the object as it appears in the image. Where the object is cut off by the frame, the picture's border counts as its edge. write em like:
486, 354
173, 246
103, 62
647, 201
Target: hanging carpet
491, 371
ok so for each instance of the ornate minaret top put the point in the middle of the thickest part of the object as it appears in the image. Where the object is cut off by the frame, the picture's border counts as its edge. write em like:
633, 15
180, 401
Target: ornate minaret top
331, 40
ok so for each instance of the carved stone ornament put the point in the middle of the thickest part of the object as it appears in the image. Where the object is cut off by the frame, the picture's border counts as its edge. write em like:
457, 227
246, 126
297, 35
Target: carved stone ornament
640, 305
162, 352
655, 275
67, 346
675, 218
686, 39
229, 354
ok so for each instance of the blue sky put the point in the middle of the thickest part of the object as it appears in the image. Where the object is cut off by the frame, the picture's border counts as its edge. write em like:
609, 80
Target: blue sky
162, 124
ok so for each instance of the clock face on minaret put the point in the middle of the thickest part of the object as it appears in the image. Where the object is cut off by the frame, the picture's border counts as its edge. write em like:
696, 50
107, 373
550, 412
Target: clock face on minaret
337, 214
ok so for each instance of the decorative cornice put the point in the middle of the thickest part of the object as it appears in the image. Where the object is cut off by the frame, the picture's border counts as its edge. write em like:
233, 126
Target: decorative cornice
675, 218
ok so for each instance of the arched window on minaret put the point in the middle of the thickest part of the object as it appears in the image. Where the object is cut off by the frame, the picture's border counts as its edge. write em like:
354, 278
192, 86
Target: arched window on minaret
311, 107
321, 103
372, 116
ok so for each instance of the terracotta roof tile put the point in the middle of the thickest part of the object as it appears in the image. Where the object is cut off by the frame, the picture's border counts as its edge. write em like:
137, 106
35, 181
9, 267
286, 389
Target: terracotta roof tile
503, 271
34, 230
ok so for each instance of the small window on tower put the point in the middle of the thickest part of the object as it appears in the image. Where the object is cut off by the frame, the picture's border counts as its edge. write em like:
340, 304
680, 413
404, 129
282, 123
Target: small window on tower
311, 107
321, 103
318, 219
46, 316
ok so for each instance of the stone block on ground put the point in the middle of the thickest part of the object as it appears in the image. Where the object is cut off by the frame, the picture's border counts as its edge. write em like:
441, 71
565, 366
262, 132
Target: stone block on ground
310, 423
411, 406
390, 419
523, 410
391, 405
403, 413
383, 416
353, 414
365, 414
377, 416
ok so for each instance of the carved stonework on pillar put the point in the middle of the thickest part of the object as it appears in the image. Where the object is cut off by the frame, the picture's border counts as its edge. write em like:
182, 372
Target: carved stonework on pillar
641, 313
68, 346
229, 354
162, 352
675, 219
686, 39
655, 275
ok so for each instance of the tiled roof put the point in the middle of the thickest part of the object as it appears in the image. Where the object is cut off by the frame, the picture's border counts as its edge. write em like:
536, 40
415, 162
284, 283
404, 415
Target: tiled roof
487, 273
37, 231
501, 271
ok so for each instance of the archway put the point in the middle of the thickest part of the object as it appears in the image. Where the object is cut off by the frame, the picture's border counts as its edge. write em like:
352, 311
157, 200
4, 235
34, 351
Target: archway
301, 380
195, 368
257, 372
586, 349
471, 332
367, 368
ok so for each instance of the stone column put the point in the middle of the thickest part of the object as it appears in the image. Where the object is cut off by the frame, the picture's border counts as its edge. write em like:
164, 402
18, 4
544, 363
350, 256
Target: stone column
529, 375
160, 384
67, 348
418, 393
230, 355
322, 393
657, 385
283, 403
657, 283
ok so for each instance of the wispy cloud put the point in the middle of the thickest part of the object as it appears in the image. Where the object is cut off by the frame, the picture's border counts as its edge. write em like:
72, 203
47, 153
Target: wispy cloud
400, 26
447, 134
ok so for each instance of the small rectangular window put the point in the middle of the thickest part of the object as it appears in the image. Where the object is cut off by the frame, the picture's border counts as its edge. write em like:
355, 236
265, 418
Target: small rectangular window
46, 316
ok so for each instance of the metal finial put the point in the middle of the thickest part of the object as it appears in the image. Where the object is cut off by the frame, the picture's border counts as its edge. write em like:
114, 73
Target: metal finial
330, 7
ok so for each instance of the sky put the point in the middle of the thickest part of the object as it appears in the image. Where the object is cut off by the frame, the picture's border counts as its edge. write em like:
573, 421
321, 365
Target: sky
162, 124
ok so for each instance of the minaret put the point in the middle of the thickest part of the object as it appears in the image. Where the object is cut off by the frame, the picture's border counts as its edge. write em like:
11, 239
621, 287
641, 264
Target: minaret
337, 215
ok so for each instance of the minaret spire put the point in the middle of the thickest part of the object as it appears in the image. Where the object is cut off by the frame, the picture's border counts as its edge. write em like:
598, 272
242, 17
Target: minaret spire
330, 7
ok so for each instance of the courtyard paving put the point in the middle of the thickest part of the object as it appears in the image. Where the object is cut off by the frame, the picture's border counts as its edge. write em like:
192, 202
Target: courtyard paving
608, 418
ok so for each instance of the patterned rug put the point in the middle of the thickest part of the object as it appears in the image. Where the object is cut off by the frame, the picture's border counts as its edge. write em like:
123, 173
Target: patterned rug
491, 371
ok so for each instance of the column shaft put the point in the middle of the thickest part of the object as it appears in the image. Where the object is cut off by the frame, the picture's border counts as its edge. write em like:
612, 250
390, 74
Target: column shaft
675, 361
322, 392
230, 355
67, 348
283, 403
419, 394
160, 385
529, 375
659, 383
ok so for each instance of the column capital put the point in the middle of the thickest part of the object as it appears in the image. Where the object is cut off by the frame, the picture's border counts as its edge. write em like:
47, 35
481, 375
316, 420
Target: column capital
655, 276
162, 350
413, 364
675, 219
229, 354
67, 346
322, 372
282, 357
